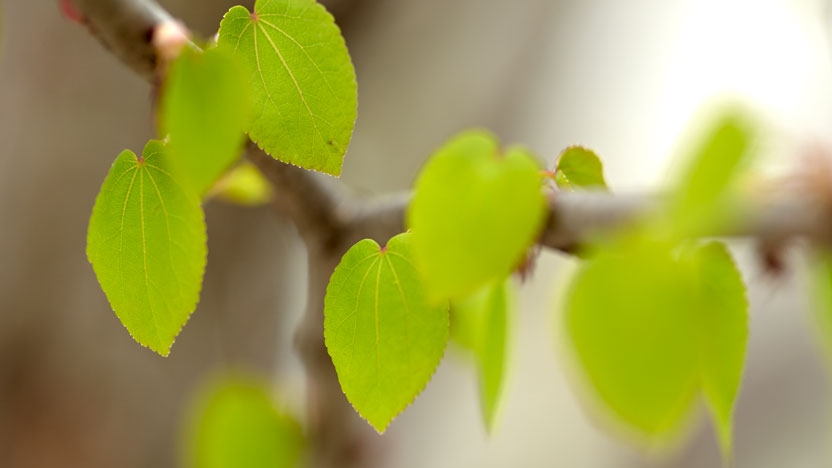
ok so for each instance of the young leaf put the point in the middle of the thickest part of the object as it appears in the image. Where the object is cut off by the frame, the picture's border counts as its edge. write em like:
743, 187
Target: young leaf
579, 167
628, 317
722, 322
237, 425
480, 324
301, 80
714, 165
243, 185
384, 339
475, 212
650, 331
146, 243
204, 110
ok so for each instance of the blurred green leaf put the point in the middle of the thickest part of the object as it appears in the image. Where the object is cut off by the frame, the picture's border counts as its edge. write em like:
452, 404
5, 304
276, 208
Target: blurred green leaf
243, 185
475, 212
821, 271
238, 425
722, 321
384, 339
579, 167
301, 79
822, 294
714, 165
146, 243
651, 330
204, 110
479, 323
628, 316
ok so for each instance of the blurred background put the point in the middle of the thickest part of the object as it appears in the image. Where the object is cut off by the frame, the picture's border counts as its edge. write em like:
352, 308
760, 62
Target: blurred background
623, 78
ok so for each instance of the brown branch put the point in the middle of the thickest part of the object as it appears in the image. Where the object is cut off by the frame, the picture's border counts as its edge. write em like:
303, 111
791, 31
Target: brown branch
316, 203
126, 28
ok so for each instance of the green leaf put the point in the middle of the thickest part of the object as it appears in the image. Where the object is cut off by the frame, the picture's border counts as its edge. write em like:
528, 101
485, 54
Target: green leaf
650, 331
243, 185
822, 283
384, 339
722, 323
237, 425
146, 242
301, 80
628, 317
204, 111
822, 294
479, 323
714, 165
475, 212
579, 167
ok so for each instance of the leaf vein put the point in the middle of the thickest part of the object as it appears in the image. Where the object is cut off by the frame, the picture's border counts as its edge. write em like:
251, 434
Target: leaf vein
355, 310
144, 258
303, 49
297, 87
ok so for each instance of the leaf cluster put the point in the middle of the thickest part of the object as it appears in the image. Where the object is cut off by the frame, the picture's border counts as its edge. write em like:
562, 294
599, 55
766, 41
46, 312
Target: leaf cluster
653, 320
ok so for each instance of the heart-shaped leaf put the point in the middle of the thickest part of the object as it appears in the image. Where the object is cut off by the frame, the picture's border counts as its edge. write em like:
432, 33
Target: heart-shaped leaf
146, 242
650, 331
301, 79
628, 317
579, 167
203, 112
384, 339
475, 212
236, 424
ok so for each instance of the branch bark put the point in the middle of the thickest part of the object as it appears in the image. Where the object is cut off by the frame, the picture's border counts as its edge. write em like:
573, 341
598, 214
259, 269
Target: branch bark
330, 219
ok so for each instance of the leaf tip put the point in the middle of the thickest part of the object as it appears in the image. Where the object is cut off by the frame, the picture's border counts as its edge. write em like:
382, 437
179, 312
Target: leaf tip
380, 427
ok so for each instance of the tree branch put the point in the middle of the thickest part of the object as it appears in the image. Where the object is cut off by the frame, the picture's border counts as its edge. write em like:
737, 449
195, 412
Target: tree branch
126, 28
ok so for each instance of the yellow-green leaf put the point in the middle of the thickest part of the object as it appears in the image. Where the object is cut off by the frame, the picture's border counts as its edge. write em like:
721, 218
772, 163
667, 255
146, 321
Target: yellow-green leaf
146, 243
579, 167
714, 165
480, 324
822, 293
650, 331
628, 317
204, 111
243, 185
475, 211
301, 79
722, 322
236, 424
384, 339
